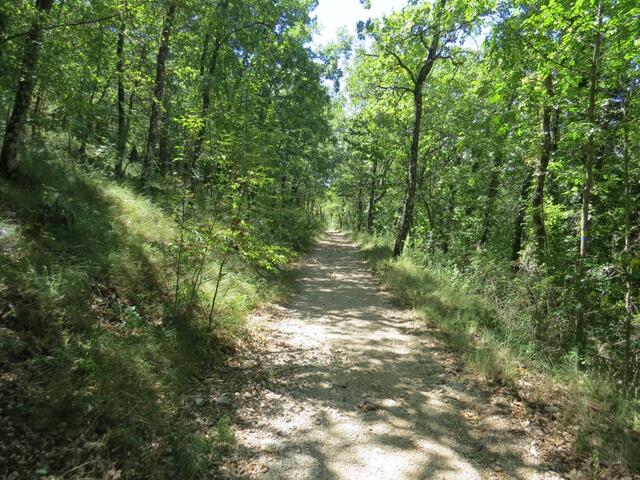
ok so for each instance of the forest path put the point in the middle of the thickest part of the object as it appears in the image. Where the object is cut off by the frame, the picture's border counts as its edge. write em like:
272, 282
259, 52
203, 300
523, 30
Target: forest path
353, 388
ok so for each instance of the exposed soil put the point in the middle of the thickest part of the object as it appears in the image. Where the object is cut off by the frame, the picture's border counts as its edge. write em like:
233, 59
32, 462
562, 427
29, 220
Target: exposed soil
350, 387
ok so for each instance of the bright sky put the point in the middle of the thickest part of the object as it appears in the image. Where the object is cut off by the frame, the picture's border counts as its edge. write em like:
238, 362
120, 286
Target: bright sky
334, 14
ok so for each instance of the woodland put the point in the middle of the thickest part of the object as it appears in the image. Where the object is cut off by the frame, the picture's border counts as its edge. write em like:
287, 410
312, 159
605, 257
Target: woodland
165, 163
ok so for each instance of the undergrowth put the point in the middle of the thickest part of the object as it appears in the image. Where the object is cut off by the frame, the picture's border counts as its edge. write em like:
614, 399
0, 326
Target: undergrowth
490, 327
96, 366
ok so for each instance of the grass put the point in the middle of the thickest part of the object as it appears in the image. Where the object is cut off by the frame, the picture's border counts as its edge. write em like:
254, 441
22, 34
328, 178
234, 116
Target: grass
94, 363
491, 333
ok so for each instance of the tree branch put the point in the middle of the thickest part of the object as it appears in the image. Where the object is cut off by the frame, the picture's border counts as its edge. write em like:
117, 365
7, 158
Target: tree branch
401, 64
59, 25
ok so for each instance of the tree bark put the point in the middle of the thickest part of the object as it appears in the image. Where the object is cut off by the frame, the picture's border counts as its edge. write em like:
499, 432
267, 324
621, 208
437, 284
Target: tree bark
150, 154
412, 161
121, 136
520, 216
412, 173
15, 126
589, 160
546, 150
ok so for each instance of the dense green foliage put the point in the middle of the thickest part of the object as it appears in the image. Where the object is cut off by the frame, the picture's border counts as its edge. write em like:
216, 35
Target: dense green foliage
159, 171
524, 178
520, 136
162, 161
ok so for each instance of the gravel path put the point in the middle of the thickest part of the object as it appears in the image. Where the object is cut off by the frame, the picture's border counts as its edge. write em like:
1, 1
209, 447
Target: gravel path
358, 390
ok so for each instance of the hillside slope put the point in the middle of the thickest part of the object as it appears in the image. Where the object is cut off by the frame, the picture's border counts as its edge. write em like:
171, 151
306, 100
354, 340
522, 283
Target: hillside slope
98, 353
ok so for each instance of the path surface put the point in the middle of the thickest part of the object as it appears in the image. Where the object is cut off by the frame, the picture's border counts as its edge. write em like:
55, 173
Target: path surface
355, 389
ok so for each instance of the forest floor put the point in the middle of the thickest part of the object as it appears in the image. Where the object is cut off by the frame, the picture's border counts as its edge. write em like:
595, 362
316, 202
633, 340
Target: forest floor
340, 384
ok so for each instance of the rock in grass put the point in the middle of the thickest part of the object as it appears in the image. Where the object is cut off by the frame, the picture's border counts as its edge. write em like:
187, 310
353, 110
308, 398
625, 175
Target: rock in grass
224, 400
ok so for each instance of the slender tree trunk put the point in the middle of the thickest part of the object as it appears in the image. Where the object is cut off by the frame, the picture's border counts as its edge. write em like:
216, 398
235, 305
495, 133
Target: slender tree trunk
628, 296
521, 210
150, 154
15, 126
589, 160
492, 191
121, 136
412, 174
412, 161
537, 201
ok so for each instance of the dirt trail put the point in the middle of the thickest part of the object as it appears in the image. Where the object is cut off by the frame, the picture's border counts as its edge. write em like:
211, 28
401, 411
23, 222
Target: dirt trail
358, 390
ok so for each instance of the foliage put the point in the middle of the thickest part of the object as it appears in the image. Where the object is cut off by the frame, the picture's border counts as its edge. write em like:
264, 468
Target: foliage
526, 137
120, 287
526, 176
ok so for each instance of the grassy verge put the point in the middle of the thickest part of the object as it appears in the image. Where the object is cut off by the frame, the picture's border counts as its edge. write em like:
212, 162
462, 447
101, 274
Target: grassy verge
97, 372
491, 336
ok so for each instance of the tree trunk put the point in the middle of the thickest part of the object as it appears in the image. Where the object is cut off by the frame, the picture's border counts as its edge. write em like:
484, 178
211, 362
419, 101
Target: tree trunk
150, 154
121, 136
15, 126
520, 216
412, 174
412, 163
492, 191
628, 296
537, 201
589, 160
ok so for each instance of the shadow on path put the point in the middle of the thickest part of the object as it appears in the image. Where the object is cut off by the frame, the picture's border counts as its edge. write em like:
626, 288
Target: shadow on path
358, 390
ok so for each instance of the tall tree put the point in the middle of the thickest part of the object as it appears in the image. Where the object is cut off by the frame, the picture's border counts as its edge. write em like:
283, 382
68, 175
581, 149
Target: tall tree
428, 37
588, 163
150, 154
548, 145
15, 126
121, 135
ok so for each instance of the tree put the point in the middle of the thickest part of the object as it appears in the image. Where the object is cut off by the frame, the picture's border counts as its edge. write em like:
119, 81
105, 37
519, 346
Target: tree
15, 126
121, 136
521, 143
410, 43
150, 154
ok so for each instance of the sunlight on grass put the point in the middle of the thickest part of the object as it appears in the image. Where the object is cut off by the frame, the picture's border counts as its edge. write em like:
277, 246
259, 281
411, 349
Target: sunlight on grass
92, 282
139, 215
